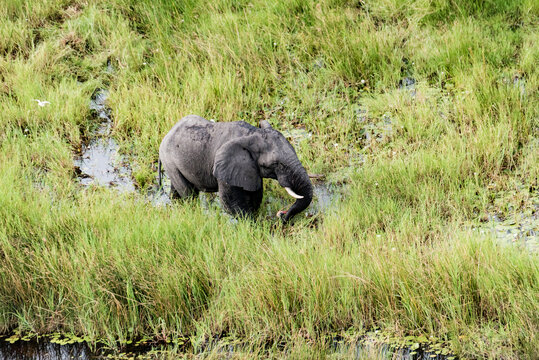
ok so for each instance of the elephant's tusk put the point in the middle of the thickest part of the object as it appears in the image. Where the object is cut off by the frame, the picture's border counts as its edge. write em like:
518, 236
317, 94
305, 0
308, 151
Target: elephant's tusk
293, 194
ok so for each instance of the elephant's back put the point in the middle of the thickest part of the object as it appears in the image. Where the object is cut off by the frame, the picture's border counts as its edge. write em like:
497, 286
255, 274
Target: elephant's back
191, 130
187, 147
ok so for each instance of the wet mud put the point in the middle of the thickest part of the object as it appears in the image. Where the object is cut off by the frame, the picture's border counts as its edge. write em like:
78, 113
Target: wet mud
99, 162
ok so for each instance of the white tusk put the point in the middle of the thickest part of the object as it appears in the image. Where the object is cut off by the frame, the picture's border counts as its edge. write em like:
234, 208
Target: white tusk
293, 194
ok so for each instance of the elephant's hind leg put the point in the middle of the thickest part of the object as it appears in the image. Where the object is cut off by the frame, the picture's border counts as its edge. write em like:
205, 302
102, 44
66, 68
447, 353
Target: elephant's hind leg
180, 187
237, 201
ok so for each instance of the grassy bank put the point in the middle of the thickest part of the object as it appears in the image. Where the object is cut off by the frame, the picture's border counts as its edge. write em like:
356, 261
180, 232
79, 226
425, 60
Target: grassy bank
419, 161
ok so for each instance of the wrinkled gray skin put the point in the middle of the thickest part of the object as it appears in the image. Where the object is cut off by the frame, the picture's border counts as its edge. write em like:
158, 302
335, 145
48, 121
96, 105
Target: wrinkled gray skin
232, 158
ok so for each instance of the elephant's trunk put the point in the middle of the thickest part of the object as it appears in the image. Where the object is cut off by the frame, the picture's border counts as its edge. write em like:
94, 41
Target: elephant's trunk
300, 185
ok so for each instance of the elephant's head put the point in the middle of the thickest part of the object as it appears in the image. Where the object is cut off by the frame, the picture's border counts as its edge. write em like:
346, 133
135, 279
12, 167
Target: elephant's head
265, 153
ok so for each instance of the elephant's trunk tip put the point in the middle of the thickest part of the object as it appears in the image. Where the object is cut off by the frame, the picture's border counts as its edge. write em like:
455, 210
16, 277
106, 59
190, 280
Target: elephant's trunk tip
281, 214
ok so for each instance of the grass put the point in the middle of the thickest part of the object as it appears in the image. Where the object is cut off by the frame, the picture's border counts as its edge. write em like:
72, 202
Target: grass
418, 165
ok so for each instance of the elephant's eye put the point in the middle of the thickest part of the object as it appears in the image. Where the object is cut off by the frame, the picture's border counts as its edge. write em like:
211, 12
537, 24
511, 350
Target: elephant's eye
269, 170
270, 166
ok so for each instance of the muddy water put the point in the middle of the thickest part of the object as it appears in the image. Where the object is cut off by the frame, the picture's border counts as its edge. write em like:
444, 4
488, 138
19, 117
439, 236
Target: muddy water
326, 195
384, 351
99, 162
43, 350
160, 196
408, 84
513, 217
520, 229
325, 198
46, 350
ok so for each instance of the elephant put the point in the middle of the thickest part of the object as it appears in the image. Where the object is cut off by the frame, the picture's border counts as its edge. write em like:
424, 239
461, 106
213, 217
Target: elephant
231, 158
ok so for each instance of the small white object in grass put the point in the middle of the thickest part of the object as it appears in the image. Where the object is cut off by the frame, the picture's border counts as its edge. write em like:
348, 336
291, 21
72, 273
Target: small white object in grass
274, 44
378, 235
363, 81
212, 120
376, 184
335, 145
394, 249
42, 102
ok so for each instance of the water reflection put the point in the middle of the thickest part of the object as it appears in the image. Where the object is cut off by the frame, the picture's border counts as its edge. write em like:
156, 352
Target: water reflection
99, 162
43, 350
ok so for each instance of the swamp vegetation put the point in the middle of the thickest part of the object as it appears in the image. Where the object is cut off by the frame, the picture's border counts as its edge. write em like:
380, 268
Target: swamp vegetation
423, 113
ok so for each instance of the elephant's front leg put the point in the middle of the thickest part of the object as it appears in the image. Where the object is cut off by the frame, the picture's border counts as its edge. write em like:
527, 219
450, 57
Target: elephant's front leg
238, 201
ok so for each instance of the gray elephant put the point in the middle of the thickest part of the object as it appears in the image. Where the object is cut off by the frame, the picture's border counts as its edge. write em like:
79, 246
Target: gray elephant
232, 158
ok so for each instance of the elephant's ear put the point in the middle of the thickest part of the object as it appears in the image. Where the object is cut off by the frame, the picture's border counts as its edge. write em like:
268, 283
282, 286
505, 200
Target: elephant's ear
235, 166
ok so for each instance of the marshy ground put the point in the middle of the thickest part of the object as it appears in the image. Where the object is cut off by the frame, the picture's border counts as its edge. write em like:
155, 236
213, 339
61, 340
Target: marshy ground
420, 116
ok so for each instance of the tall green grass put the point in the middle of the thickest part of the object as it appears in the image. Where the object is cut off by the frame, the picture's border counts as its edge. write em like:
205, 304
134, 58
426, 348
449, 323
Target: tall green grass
392, 254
